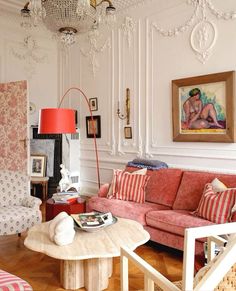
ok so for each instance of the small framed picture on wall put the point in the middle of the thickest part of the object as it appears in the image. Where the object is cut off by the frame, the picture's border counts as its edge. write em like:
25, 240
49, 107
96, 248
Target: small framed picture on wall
93, 125
128, 132
93, 102
38, 165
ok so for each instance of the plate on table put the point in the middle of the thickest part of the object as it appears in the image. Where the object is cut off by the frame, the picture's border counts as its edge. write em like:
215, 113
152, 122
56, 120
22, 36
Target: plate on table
89, 223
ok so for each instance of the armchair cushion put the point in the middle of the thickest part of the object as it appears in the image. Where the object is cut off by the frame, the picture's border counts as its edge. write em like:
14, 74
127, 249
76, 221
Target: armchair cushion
192, 186
18, 210
16, 219
162, 186
13, 187
126, 209
174, 221
31, 202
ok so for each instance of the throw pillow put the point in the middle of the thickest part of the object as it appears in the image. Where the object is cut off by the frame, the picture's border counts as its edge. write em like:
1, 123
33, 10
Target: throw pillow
131, 187
217, 185
115, 182
216, 207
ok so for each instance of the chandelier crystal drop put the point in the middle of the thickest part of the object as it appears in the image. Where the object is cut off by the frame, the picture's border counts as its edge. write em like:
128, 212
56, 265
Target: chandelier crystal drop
83, 8
67, 18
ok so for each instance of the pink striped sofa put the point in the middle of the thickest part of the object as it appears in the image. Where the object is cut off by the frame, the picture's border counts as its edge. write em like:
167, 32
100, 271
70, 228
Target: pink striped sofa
9, 282
171, 197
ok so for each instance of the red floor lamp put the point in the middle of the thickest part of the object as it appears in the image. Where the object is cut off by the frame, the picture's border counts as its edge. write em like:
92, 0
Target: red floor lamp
62, 120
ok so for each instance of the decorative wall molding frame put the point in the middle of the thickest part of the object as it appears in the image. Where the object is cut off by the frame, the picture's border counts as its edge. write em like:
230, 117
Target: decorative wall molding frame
134, 145
191, 148
128, 27
147, 88
139, 111
203, 38
195, 156
204, 33
112, 120
30, 53
137, 57
95, 49
120, 73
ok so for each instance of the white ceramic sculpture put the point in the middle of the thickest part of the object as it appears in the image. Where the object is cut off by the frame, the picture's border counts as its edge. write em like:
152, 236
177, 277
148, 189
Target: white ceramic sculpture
65, 181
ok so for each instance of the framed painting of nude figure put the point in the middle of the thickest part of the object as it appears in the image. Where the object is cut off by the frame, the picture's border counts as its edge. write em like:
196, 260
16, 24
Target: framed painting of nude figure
203, 108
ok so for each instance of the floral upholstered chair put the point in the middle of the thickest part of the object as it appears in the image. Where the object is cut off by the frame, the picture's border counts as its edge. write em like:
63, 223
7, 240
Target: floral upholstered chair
18, 210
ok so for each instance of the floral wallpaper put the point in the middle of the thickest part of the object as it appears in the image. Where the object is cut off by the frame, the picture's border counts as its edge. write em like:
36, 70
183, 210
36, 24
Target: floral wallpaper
13, 126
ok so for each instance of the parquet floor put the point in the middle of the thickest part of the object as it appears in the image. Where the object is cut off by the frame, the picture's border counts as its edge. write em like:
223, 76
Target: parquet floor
42, 272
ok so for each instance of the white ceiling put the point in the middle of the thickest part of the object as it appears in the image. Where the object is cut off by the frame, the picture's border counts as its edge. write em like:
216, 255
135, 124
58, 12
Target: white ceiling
15, 5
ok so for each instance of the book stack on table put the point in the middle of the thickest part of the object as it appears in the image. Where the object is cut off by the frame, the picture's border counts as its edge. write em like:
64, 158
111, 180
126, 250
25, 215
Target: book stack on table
65, 197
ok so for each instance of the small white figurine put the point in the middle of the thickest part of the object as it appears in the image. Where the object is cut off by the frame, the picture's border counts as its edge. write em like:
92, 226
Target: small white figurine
65, 181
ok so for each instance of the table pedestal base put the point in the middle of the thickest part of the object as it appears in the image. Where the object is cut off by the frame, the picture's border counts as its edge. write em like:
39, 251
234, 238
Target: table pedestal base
93, 274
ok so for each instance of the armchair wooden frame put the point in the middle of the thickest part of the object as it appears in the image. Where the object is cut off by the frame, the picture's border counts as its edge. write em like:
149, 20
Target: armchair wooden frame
210, 280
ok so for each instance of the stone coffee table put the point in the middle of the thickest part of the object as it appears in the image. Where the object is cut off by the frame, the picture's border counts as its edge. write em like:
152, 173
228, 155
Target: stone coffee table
87, 262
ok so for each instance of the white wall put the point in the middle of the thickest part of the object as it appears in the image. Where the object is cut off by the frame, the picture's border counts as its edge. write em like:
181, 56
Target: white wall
147, 68
43, 82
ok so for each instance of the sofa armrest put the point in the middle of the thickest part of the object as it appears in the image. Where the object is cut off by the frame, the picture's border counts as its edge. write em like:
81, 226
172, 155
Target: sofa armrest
31, 202
103, 191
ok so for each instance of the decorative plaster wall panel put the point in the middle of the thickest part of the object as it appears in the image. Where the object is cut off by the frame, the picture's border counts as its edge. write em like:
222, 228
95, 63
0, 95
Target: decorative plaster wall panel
147, 64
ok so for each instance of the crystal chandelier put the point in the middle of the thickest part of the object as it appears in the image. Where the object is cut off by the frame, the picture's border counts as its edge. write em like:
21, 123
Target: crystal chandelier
67, 18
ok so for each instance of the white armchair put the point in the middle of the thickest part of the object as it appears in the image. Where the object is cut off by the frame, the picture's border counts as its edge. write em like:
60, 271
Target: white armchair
18, 210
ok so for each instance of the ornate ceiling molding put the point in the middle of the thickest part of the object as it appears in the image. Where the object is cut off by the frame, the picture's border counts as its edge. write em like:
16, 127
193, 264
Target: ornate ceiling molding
16, 5
204, 33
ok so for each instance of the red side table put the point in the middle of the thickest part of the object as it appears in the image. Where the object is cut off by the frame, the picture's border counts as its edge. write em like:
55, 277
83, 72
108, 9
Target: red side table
52, 208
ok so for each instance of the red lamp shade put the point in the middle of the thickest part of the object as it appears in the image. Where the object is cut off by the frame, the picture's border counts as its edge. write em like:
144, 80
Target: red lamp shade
56, 120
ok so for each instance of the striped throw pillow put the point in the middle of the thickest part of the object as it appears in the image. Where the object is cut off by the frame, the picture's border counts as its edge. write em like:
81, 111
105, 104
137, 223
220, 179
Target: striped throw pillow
9, 282
117, 174
130, 186
216, 206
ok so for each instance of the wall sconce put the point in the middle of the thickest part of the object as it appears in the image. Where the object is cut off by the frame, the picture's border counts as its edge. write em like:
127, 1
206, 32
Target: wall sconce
127, 108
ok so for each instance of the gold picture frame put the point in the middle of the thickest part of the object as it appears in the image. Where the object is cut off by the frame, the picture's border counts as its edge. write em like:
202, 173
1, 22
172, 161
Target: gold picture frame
203, 108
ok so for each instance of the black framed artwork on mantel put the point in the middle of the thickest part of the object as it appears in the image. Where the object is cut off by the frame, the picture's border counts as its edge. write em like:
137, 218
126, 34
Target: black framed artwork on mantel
55, 177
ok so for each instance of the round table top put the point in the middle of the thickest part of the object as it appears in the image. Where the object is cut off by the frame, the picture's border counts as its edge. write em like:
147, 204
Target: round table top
103, 243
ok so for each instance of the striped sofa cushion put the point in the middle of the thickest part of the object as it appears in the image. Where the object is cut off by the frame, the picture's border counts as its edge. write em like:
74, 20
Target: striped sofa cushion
216, 206
9, 282
130, 187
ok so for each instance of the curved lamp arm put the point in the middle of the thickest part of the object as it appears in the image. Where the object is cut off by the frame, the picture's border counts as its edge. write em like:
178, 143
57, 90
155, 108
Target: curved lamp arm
49, 116
93, 125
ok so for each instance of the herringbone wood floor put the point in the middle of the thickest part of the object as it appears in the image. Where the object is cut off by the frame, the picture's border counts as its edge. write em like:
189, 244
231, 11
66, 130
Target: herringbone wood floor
42, 272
